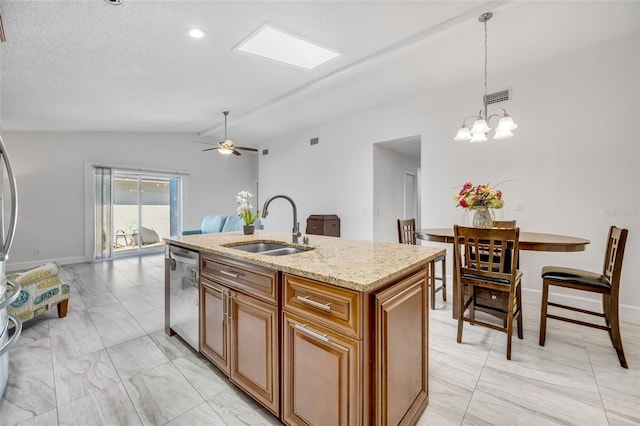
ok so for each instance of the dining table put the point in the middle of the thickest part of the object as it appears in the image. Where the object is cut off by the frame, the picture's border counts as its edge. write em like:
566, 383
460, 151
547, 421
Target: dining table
531, 241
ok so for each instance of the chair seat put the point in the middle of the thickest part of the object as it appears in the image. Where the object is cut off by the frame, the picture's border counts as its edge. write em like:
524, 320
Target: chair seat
575, 276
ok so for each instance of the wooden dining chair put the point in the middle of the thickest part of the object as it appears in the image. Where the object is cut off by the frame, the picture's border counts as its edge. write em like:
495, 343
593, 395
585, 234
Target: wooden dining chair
504, 223
606, 283
488, 283
407, 235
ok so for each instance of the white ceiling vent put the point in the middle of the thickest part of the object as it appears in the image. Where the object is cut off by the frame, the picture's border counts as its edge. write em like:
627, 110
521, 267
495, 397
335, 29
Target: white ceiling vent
501, 96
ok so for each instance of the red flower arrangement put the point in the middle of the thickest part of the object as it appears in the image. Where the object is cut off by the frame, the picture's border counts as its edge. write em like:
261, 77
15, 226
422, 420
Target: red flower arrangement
471, 197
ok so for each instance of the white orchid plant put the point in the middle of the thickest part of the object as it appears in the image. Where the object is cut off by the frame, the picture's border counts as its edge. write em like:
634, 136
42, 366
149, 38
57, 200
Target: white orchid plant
245, 209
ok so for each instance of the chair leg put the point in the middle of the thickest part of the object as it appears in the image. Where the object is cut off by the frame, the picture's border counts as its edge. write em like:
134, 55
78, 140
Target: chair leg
510, 326
543, 312
614, 333
461, 303
606, 302
432, 283
444, 279
519, 305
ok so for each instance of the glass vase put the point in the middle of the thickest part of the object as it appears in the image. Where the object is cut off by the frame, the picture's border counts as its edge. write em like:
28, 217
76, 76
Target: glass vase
482, 217
249, 229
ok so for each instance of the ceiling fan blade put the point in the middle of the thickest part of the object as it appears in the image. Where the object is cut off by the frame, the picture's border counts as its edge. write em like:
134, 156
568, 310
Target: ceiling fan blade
236, 152
206, 143
244, 148
210, 149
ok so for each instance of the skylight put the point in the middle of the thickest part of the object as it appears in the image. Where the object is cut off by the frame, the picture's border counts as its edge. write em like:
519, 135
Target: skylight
273, 44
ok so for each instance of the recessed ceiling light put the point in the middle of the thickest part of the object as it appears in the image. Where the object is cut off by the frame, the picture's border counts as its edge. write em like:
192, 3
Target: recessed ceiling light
195, 33
276, 45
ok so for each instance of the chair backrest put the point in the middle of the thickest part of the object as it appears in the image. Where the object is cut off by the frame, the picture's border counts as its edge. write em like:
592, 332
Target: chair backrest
493, 264
406, 231
614, 255
212, 223
504, 223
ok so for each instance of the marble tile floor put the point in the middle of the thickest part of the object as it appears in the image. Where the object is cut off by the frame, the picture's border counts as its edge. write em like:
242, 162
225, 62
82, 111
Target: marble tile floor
110, 363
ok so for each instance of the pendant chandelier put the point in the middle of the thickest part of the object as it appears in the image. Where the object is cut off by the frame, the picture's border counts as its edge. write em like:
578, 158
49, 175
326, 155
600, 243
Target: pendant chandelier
480, 128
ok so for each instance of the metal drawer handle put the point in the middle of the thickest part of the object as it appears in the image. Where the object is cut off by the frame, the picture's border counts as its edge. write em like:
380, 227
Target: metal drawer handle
303, 328
225, 305
323, 306
230, 274
494, 296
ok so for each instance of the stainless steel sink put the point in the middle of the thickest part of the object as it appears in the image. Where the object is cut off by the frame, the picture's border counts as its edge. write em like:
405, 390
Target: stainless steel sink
269, 249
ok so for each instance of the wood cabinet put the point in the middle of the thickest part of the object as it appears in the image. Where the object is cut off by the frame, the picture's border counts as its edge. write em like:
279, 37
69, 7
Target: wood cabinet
401, 351
352, 357
253, 331
321, 354
322, 375
314, 353
239, 326
214, 339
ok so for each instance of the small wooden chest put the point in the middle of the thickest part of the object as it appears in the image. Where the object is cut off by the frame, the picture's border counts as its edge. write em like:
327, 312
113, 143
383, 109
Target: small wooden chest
323, 224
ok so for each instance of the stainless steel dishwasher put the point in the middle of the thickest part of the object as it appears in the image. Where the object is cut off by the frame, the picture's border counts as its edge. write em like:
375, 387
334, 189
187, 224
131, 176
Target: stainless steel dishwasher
184, 296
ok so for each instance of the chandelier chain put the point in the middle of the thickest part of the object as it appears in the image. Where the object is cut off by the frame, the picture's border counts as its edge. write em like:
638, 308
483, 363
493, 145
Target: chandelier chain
485, 61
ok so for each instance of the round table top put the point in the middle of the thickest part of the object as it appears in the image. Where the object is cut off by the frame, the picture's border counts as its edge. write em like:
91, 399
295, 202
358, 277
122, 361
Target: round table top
534, 241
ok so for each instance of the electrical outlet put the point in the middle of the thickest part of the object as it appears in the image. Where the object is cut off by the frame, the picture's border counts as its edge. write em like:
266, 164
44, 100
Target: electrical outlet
518, 206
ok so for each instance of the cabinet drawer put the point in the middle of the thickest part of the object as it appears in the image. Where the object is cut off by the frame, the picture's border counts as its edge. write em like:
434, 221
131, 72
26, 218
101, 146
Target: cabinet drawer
491, 299
250, 279
334, 307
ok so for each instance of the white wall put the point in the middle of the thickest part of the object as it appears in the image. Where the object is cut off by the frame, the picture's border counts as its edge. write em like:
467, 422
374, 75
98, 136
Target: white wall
389, 168
50, 167
573, 162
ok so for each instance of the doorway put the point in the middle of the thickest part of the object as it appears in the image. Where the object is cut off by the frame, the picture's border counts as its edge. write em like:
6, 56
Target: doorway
134, 211
396, 185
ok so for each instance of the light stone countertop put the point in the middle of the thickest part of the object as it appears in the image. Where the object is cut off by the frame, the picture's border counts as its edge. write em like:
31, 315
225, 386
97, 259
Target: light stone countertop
354, 264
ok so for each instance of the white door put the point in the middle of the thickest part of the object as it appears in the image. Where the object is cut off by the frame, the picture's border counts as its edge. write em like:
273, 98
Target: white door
410, 196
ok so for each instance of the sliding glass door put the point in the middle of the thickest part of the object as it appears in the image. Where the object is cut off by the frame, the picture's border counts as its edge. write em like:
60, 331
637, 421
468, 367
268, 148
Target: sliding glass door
135, 211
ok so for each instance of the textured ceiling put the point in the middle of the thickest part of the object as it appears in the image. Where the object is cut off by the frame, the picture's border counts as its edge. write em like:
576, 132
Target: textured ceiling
91, 66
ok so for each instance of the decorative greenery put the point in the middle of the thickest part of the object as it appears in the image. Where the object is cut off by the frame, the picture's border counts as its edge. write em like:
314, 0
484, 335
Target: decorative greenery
471, 197
245, 209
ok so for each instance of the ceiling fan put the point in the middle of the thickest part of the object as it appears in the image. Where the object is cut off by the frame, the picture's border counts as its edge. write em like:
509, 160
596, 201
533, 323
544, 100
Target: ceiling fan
227, 147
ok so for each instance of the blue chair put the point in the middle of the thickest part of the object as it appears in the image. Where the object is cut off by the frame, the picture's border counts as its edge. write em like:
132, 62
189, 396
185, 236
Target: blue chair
220, 223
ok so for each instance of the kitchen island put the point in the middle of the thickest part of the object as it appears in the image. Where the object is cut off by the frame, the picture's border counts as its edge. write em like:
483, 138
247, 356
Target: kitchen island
335, 334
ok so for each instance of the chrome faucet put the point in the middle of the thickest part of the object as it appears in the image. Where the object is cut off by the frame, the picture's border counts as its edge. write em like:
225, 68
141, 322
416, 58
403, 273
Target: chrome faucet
296, 226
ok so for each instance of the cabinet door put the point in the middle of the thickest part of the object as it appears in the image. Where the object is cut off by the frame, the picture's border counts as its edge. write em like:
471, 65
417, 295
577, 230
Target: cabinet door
321, 375
214, 341
254, 349
401, 351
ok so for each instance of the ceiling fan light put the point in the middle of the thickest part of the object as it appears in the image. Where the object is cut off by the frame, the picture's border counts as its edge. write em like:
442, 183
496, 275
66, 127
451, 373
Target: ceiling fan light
506, 124
463, 134
480, 127
225, 151
478, 137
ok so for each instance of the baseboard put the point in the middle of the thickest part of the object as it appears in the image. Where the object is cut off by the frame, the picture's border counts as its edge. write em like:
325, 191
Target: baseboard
21, 266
